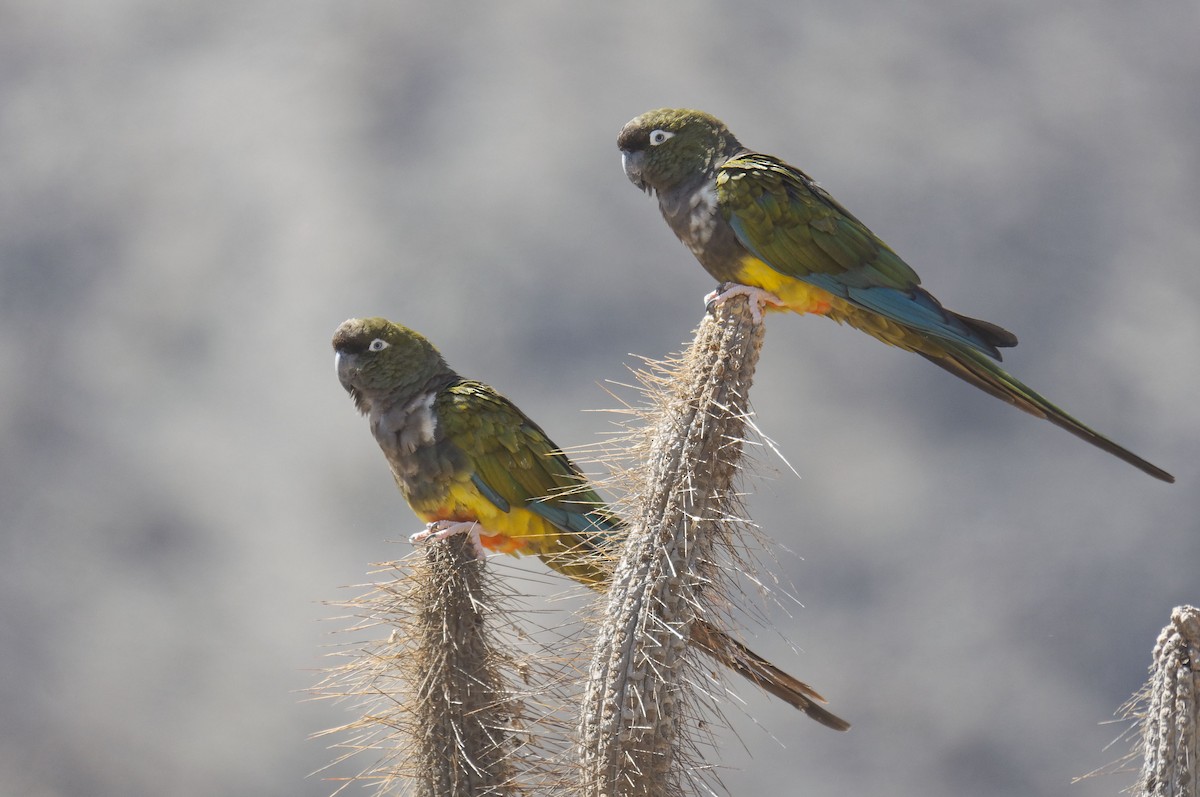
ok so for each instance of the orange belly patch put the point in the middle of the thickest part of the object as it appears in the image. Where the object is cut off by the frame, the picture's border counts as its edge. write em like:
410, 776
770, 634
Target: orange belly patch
515, 532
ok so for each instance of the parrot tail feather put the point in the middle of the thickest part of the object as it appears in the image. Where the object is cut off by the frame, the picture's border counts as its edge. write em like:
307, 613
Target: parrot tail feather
972, 367
762, 673
994, 334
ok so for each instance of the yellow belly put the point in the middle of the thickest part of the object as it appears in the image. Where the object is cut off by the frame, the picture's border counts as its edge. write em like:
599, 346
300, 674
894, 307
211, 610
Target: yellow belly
515, 532
800, 297
519, 531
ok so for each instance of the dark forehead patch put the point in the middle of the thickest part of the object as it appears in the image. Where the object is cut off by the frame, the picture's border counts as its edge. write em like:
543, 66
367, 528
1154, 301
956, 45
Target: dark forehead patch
633, 137
356, 334
351, 338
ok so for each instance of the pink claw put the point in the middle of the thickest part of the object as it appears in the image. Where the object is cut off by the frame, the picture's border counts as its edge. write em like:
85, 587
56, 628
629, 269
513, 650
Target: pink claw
757, 296
442, 529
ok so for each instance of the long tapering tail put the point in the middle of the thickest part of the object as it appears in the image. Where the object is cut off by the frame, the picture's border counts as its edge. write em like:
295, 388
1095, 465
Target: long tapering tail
584, 561
976, 368
762, 673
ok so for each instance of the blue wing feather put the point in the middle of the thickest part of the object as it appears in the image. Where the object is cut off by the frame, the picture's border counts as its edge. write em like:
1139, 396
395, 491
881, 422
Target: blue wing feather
915, 308
489, 493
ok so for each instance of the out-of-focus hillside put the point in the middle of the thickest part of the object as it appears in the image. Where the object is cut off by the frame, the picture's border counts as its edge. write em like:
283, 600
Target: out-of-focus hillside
195, 194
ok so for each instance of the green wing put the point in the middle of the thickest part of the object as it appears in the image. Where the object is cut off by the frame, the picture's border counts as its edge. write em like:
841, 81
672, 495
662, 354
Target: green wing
514, 462
782, 217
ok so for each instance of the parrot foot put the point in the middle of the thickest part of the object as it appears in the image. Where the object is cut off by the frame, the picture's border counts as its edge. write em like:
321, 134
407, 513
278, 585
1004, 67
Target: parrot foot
757, 296
441, 529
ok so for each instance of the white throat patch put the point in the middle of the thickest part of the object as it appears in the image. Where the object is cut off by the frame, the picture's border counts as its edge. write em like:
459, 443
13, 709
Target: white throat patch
702, 217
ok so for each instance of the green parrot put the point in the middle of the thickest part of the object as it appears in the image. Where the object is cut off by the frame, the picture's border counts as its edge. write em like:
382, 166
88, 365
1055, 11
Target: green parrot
468, 461
766, 230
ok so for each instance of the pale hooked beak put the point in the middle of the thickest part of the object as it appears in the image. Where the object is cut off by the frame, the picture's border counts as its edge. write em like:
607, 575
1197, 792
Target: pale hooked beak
347, 368
632, 163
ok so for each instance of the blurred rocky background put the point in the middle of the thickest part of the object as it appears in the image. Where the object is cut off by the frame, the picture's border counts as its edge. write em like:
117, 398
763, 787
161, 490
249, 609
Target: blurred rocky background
194, 194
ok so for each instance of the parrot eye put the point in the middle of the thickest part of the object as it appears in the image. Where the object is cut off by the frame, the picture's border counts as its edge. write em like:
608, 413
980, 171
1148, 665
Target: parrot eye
379, 344
659, 136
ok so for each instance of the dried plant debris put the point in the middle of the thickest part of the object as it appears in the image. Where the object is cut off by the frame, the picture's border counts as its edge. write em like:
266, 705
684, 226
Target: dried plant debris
1163, 716
454, 699
642, 729
1170, 710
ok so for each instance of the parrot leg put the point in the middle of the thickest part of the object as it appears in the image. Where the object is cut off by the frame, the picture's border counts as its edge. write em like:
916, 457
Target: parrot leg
757, 296
441, 529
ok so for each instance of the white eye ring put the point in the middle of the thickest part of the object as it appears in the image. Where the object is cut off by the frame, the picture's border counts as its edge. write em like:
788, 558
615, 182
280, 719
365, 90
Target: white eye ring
379, 344
659, 136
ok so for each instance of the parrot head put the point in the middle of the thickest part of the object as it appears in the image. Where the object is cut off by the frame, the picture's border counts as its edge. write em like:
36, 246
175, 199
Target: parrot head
380, 361
662, 149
